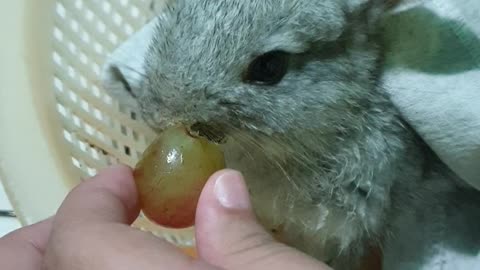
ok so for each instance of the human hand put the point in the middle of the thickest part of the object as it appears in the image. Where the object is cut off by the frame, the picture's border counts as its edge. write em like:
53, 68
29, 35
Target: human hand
92, 231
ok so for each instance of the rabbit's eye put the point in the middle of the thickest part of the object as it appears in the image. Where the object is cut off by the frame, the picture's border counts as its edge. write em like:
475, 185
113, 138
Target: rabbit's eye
268, 69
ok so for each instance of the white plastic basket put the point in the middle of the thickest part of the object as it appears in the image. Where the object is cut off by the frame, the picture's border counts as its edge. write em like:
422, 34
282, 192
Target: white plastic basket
57, 125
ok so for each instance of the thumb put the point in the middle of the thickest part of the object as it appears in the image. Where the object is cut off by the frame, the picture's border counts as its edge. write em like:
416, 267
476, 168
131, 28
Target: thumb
229, 236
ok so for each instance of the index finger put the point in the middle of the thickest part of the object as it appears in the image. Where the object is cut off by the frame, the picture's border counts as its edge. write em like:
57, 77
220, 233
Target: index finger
109, 197
30, 242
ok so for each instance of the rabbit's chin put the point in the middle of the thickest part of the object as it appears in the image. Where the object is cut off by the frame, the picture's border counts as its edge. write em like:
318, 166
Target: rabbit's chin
323, 228
326, 194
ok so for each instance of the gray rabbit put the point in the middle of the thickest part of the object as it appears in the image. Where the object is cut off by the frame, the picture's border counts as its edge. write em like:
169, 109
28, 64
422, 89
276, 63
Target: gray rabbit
293, 90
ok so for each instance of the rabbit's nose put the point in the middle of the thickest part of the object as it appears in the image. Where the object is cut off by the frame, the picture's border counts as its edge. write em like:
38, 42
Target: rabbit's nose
124, 69
120, 80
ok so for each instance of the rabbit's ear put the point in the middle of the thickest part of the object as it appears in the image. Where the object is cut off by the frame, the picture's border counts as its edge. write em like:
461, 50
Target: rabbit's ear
308, 22
370, 11
355, 5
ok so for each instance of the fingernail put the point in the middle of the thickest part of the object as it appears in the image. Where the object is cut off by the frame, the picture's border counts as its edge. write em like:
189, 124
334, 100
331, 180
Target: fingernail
230, 190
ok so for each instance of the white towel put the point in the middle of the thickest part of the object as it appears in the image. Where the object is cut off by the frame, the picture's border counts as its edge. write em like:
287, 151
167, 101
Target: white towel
433, 75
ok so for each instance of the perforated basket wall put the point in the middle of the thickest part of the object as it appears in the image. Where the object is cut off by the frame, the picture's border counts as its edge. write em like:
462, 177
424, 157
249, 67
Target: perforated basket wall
98, 130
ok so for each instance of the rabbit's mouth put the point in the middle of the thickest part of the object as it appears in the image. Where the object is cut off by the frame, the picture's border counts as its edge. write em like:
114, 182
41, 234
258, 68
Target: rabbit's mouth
210, 132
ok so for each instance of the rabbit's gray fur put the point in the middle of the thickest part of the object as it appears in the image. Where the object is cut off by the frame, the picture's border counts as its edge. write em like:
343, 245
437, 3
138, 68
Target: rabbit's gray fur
330, 165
